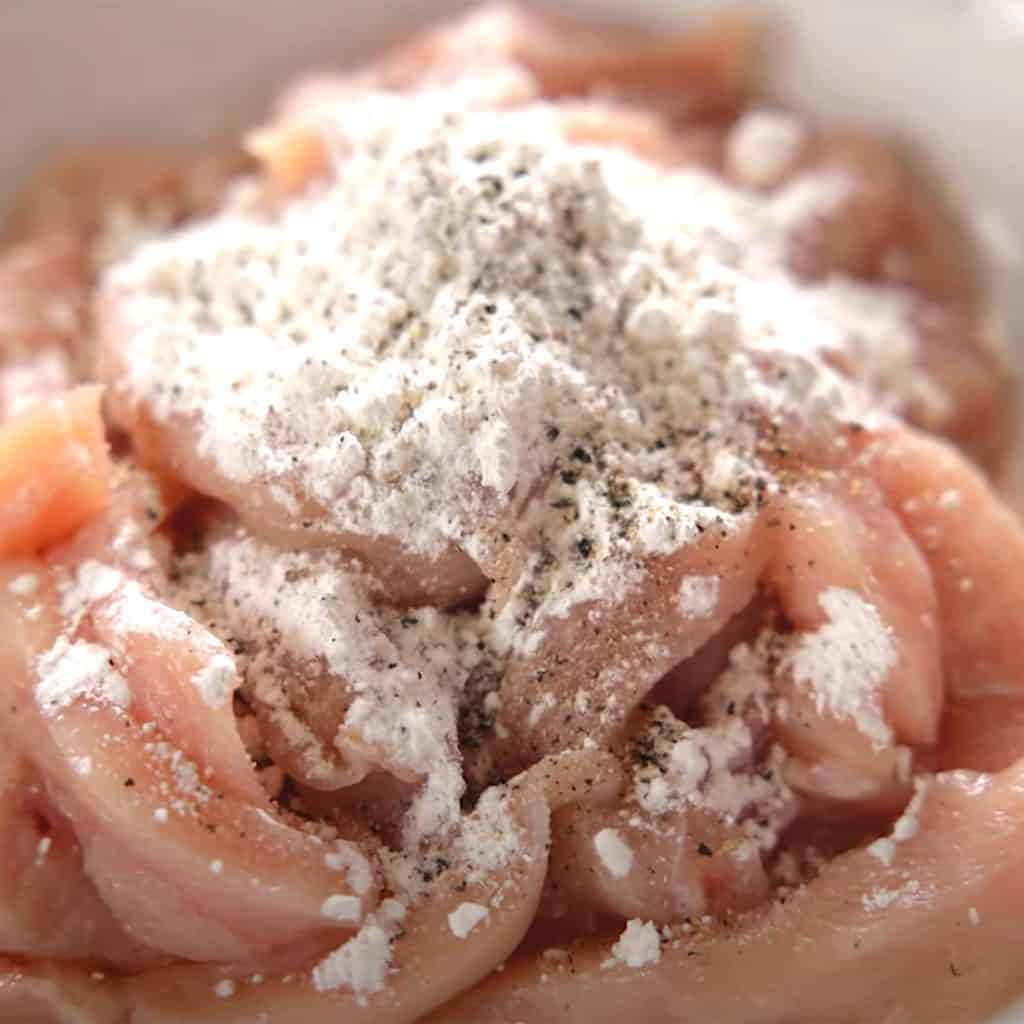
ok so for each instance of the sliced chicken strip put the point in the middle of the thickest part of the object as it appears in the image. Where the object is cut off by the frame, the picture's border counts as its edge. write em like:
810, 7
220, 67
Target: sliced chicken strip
890, 228
196, 871
592, 664
106, 575
175, 449
60, 914
512, 54
862, 674
935, 930
614, 862
685, 75
428, 953
887, 227
973, 545
186, 679
55, 471
48, 905
702, 805
126, 535
341, 688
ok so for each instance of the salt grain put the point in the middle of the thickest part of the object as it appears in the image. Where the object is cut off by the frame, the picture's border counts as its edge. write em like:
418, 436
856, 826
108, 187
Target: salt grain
348, 858
762, 147
698, 596
615, 853
360, 964
465, 918
23, 585
348, 909
881, 899
638, 946
216, 681
224, 989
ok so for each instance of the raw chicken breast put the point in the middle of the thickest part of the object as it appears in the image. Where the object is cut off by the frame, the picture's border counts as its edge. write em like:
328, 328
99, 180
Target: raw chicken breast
493, 581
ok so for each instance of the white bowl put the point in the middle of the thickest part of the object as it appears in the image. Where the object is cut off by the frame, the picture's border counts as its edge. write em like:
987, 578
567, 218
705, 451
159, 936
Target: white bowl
945, 74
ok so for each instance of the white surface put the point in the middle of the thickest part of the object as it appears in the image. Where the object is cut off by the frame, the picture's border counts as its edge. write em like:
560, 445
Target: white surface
947, 74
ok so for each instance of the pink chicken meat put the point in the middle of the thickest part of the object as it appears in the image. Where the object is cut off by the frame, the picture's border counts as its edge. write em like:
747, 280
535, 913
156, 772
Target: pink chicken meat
522, 544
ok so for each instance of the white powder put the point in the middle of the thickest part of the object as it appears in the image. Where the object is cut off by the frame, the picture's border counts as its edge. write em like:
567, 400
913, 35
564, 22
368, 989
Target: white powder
348, 858
844, 663
342, 908
217, 866
224, 989
133, 612
142, 560
545, 703
216, 681
882, 899
92, 582
160, 815
698, 596
719, 766
392, 910
905, 827
763, 146
402, 671
184, 789
81, 765
465, 917
973, 916
75, 671
615, 853
23, 585
714, 768
908, 823
489, 838
473, 307
883, 849
361, 964
949, 500
473, 326
638, 946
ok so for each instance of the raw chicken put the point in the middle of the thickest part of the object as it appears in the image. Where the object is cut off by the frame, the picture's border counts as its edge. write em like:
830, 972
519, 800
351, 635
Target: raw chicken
262, 764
